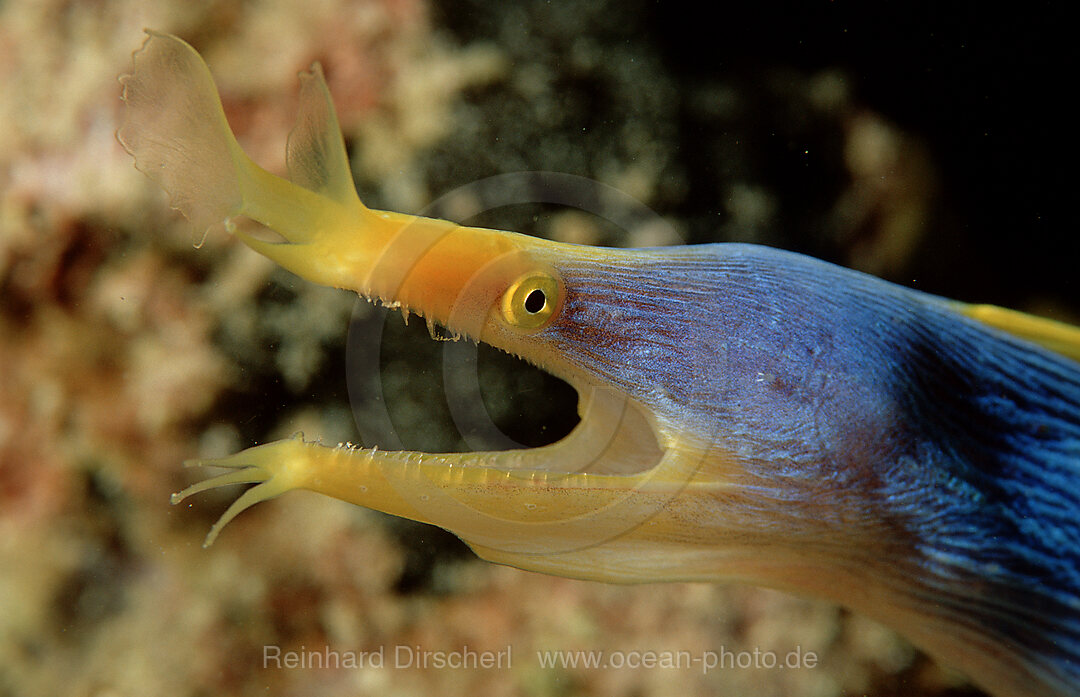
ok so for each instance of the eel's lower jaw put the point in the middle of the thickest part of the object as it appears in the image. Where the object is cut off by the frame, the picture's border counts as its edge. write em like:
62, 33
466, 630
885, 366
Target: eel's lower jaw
609, 477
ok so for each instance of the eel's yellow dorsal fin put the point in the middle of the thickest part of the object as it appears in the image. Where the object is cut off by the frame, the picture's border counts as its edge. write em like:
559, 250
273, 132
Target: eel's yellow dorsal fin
315, 153
1058, 337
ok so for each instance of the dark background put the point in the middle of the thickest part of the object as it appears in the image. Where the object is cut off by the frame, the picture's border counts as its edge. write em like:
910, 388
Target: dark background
985, 87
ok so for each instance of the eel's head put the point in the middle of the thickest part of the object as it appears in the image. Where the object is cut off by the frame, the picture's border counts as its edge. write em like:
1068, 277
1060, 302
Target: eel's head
653, 482
636, 491
686, 463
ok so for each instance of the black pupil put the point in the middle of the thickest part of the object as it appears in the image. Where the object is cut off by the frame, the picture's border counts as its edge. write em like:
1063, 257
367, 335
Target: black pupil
534, 301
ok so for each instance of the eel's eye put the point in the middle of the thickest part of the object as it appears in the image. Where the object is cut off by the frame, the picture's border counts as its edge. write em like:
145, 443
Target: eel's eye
530, 301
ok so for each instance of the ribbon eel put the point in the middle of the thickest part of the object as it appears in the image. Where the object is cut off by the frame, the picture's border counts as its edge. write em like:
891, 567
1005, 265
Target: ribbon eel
747, 414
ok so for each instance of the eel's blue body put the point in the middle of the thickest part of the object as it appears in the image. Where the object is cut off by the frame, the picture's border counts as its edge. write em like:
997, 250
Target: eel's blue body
881, 407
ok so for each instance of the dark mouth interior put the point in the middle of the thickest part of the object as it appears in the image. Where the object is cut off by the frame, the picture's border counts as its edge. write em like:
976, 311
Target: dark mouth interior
440, 396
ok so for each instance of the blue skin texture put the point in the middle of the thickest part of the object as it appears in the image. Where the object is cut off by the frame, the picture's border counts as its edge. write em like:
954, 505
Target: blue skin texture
959, 441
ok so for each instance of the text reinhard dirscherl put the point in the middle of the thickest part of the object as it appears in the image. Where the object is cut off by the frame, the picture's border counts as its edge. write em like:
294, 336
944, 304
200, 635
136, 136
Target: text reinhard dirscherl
399, 656
402, 656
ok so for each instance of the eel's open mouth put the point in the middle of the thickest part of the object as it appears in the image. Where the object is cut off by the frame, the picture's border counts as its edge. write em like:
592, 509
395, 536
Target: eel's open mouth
572, 488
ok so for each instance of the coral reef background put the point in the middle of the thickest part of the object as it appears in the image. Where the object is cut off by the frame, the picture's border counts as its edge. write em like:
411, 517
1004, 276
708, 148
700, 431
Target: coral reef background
918, 141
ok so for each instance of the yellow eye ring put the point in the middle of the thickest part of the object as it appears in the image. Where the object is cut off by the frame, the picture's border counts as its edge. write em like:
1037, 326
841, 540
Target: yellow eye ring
530, 301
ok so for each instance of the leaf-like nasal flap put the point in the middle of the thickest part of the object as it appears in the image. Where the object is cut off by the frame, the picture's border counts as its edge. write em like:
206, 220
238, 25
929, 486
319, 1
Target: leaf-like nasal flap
176, 130
316, 151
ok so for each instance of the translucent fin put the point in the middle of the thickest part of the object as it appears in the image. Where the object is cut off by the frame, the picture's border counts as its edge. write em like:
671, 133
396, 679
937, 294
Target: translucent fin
316, 151
176, 130
1056, 336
